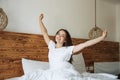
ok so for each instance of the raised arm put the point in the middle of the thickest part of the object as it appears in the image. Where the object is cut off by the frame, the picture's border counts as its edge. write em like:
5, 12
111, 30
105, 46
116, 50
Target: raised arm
81, 46
43, 29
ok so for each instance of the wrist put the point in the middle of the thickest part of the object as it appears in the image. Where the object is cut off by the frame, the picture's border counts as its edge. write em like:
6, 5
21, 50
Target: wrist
102, 37
40, 20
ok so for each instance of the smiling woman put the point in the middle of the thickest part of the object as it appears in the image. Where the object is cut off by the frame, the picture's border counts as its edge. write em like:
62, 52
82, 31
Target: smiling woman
3, 20
15, 46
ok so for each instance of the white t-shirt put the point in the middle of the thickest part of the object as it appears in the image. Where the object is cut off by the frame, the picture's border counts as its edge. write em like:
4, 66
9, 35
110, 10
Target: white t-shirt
59, 57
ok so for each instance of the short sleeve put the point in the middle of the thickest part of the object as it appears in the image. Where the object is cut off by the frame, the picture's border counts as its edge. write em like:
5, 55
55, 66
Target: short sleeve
70, 49
69, 52
51, 44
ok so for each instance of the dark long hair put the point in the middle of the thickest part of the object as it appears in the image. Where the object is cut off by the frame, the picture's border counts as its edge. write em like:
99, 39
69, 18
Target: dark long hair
68, 41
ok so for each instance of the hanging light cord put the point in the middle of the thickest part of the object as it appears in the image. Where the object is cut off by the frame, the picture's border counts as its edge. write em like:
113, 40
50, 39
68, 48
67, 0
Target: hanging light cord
95, 13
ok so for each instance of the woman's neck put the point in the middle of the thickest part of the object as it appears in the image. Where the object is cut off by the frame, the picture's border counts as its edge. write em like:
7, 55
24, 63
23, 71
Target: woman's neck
58, 45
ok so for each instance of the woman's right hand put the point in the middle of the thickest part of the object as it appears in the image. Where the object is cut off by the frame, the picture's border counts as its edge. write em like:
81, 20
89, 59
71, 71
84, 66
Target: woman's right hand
41, 16
104, 34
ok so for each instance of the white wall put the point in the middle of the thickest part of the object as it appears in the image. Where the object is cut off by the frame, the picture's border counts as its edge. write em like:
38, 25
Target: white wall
77, 16
106, 18
118, 26
118, 22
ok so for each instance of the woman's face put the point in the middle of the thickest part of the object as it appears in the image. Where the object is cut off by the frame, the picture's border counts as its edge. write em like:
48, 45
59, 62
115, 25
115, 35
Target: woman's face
60, 37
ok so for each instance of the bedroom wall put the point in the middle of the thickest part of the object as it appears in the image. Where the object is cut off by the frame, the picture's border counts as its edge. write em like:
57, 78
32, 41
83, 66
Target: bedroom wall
75, 15
118, 22
118, 27
106, 18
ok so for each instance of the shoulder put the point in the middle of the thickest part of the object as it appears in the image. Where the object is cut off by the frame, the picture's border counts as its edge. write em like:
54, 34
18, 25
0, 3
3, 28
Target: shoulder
51, 44
70, 49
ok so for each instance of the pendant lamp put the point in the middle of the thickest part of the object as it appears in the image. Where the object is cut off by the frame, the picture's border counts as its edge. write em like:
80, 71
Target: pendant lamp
95, 31
3, 19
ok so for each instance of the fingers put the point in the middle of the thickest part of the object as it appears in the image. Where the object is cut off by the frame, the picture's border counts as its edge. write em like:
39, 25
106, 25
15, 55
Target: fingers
41, 16
105, 33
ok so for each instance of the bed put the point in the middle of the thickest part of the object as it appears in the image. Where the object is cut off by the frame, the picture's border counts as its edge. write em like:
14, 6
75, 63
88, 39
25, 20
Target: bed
15, 46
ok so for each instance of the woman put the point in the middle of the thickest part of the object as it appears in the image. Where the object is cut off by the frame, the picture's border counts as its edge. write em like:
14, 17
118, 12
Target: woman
62, 37
60, 52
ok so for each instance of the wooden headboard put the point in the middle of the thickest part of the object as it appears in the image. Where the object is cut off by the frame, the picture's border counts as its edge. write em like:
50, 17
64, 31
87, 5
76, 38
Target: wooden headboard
14, 46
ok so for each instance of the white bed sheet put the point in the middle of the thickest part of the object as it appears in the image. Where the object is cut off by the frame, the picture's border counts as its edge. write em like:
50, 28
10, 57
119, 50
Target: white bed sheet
66, 74
84, 76
63, 74
15, 78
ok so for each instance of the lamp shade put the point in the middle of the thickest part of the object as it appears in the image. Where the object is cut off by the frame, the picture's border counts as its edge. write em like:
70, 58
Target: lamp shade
95, 32
3, 20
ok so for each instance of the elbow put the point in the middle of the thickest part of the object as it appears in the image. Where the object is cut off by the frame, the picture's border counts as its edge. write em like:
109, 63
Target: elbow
78, 48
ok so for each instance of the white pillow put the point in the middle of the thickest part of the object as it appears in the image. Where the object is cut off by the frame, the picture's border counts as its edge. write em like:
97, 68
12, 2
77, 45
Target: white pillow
33, 65
79, 63
107, 67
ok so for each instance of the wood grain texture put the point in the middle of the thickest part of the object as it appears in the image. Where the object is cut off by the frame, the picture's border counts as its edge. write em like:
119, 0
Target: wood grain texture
15, 46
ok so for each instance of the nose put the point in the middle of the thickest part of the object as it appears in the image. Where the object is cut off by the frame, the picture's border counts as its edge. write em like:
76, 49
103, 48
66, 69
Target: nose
58, 36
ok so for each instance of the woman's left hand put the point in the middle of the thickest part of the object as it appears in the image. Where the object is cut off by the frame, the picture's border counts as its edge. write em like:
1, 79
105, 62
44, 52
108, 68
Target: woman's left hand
41, 16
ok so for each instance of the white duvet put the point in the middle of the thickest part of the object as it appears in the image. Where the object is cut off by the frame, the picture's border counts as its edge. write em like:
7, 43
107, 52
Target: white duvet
66, 74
